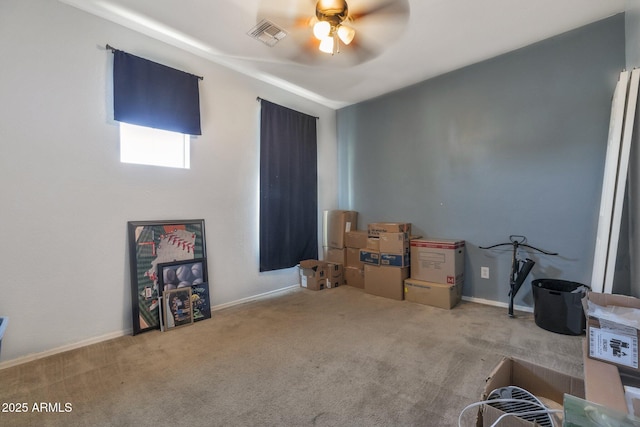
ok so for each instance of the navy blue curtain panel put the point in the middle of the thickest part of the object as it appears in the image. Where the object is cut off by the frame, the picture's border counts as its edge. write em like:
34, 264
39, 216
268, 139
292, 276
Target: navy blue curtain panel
149, 94
288, 187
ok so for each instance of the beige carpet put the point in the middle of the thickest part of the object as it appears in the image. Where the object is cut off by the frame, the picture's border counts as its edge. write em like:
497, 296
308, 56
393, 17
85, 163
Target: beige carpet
337, 357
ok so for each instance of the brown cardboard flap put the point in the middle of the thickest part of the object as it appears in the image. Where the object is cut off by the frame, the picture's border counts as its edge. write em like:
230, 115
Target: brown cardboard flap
602, 383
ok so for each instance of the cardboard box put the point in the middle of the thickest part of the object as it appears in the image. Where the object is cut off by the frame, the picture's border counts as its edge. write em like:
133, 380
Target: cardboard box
354, 277
335, 224
436, 294
373, 243
602, 382
612, 329
385, 281
546, 384
395, 260
356, 239
335, 276
369, 257
313, 274
437, 260
633, 400
353, 258
394, 243
375, 228
338, 255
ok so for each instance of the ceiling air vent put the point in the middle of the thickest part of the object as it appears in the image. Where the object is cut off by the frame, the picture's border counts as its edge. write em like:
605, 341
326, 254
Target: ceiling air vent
267, 32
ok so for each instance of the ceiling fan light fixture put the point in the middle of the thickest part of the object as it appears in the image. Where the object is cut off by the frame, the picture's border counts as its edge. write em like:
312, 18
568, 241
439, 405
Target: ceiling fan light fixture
334, 11
321, 30
346, 34
329, 30
327, 44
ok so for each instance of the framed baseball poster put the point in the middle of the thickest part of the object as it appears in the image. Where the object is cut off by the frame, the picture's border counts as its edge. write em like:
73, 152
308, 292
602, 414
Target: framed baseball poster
152, 243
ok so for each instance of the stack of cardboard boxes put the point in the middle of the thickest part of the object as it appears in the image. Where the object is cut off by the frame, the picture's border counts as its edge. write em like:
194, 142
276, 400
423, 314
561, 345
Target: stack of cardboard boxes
317, 275
335, 225
386, 259
355, 240
437, 272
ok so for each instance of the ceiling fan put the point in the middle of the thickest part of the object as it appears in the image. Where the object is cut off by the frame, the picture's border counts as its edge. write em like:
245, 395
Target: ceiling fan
351, 32
329, 25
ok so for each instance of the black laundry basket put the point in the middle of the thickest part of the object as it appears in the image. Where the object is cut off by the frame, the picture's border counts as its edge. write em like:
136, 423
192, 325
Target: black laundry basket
557, 306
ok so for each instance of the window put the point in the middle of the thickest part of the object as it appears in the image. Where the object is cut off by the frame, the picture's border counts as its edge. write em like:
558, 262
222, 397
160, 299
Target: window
148, 146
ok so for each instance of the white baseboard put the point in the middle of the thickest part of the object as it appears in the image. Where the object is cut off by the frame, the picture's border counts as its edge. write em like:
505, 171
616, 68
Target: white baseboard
117, 334
252, 298
35, 356
497, 304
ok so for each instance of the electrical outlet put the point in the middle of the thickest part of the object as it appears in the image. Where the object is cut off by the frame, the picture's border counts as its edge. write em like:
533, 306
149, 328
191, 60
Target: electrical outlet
484, 272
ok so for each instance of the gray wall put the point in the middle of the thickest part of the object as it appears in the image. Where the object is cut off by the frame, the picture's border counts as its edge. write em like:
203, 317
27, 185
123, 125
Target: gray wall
512, 145
632, 27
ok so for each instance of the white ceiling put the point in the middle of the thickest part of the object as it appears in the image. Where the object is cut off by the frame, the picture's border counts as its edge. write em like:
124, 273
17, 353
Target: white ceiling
436, 36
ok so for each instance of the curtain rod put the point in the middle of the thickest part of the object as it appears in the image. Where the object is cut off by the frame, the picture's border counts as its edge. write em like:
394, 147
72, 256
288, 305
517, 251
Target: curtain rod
315, 117
113, 50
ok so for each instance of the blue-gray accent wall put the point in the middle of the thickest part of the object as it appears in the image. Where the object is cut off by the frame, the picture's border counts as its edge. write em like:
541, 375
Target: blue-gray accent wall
512, 145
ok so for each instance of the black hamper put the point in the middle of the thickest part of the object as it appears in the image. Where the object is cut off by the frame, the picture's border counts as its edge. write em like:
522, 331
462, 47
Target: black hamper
557, 306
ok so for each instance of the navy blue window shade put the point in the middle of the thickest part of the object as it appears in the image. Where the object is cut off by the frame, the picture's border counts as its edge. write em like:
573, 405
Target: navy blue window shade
149, 94
288, 187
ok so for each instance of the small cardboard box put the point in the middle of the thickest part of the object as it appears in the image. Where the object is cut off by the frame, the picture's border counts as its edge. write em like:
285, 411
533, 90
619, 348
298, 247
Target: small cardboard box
354, 277
375, 228
335, 275
613, 323
369, 257
356, 239
435, 294
353, 258
385, 281
540, 381
395, 260
335, 224
337, 255
394, 243
437, 260
313, 274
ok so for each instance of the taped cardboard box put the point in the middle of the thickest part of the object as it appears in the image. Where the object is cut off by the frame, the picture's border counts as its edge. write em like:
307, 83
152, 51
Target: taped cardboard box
385, 281
354, 277
613, 329
435, 294
356, 239
375, 228
335, 276
394, 243
337, 255
313, 274
437, 260
373, 244
369, 257
395, 260
335, 224
353, 258
547, 385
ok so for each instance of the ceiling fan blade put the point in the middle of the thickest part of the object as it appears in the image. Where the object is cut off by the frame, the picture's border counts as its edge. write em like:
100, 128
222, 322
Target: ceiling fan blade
382, 7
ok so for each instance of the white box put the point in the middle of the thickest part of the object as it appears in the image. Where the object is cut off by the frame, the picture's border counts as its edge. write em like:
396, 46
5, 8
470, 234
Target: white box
437, 260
